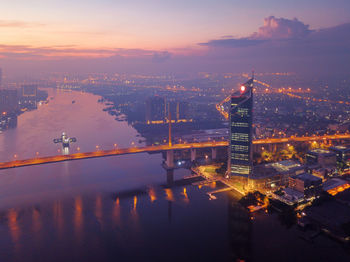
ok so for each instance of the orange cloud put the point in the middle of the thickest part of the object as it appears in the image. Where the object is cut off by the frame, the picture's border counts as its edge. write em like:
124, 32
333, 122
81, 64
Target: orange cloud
19, 24
26, 52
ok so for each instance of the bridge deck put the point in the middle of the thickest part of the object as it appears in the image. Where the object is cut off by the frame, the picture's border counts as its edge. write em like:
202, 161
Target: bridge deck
105, 153
159, 148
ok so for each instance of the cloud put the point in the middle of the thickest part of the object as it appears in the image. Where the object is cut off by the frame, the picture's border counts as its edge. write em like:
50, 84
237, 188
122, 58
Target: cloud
160, 57
281, 28
233, 42
25, 52
18, 24
273, 29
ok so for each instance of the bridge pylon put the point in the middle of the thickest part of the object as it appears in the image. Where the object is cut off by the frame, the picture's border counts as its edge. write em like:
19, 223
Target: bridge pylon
169, 118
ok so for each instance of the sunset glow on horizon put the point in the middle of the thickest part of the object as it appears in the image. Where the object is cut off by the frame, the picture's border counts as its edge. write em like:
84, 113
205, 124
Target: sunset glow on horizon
97, 28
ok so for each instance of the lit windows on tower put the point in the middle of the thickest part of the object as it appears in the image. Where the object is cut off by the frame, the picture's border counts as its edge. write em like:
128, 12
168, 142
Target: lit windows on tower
241, 121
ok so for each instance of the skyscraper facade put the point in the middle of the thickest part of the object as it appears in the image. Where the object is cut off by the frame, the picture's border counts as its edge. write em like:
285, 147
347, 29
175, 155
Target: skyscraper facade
240, 160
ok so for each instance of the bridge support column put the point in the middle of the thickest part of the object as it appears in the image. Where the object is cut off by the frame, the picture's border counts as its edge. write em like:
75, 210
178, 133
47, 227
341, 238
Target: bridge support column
170, 158
169, 177
193, 154
213, 153
274, 148
269, 147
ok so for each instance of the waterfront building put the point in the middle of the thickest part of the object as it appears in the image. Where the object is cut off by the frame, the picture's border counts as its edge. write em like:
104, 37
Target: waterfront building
28, 98
8, 101
306, 183
240, 160
335, 185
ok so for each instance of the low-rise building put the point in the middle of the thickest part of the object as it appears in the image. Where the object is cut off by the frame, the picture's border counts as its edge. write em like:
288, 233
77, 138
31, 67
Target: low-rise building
335, 185
306, 183
269, 177
342, 153
321, 157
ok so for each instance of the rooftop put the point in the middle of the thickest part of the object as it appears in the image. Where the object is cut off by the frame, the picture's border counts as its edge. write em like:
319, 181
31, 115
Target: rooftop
320, 151
340, 148
333, 183
307, 177
285, 165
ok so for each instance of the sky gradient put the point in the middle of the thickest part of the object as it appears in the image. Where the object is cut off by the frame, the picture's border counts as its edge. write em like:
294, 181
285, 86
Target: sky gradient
50, 29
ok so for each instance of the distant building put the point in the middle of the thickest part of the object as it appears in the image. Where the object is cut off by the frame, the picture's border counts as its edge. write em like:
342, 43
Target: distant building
29, 91
28, 98
342, 153
179, 110
155, 109
306, 183
182, 110
321, 157
240, 160
158, 109
8, 101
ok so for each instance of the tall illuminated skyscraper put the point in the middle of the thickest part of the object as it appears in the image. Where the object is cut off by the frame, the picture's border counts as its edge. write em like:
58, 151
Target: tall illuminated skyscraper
240, 160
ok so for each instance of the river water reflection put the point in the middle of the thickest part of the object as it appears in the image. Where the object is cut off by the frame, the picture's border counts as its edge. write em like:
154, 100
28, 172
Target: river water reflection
117, 208
98, 209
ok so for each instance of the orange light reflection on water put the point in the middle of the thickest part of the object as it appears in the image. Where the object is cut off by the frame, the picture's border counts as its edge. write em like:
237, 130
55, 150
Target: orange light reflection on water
58, 217
152, 195
186, 196
13, 226
98, 210
116, 212
78, 217
36, 220
169, 194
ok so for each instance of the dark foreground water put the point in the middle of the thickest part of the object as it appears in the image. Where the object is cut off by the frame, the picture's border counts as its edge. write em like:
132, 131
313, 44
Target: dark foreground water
117, 208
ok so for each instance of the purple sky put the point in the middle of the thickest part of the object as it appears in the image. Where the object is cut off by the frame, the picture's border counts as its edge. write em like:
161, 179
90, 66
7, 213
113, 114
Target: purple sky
164, 35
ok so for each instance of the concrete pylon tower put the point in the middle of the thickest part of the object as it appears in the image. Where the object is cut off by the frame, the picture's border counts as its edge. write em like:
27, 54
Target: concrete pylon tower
169, 118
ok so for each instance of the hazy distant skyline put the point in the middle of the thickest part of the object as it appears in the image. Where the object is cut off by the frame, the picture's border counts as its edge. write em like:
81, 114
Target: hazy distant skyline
140, 32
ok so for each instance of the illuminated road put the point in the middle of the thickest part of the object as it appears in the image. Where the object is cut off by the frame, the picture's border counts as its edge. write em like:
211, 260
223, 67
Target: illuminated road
301, 139
104, 153
135, 150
